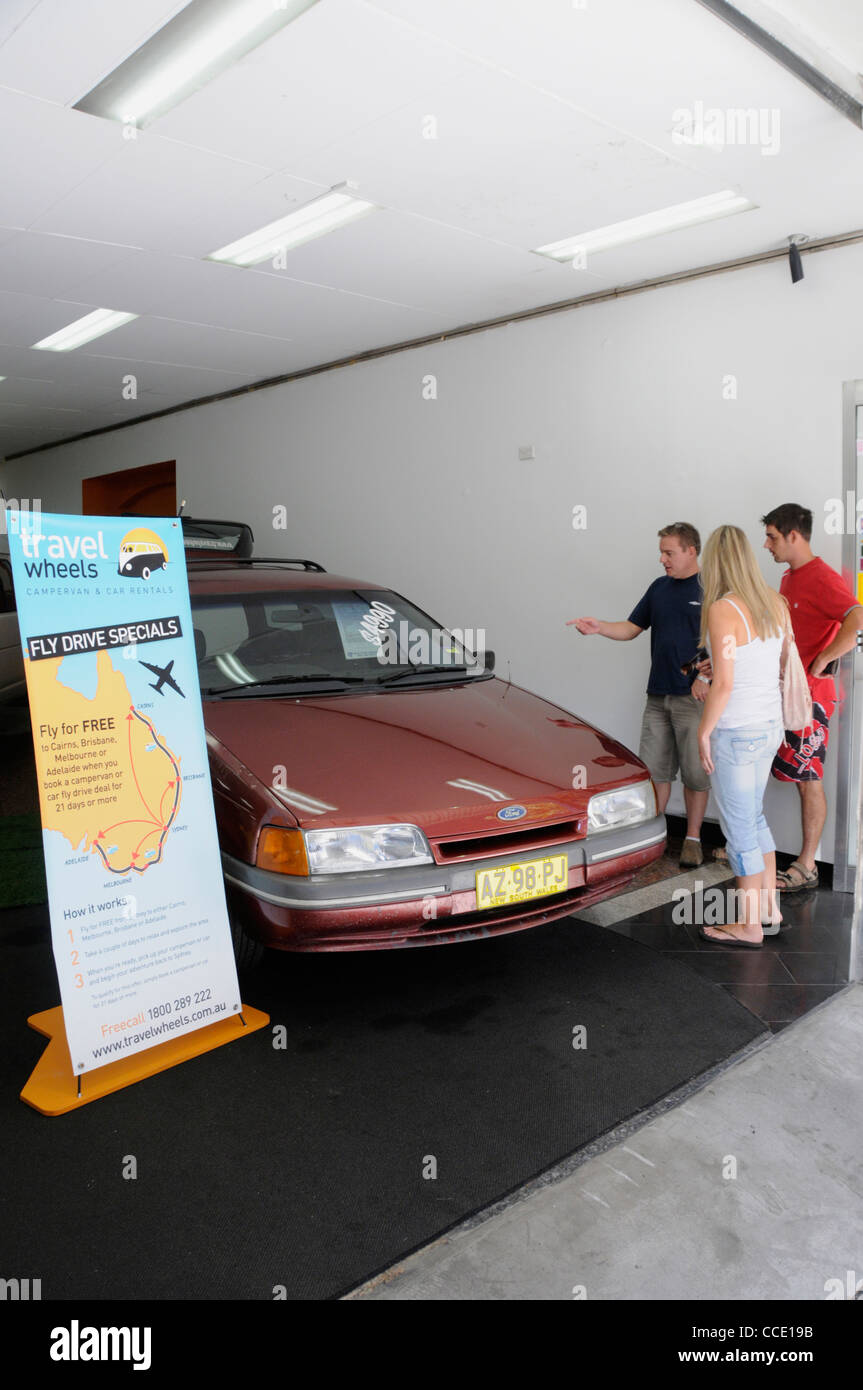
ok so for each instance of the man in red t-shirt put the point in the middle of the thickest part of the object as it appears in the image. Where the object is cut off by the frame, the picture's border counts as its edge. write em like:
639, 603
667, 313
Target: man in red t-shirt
825, 618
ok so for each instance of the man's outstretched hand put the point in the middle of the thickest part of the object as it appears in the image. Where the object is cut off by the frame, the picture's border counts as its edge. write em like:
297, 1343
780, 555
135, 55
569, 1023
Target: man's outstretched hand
587, 626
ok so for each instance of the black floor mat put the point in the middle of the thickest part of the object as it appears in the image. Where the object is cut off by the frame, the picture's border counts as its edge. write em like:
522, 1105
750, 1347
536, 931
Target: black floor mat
261, 1168
22, 861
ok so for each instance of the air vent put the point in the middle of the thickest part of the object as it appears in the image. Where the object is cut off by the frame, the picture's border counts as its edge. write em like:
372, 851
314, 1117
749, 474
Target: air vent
509, 842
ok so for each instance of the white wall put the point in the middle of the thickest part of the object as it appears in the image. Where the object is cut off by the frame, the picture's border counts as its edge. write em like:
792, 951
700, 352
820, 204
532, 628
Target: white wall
623, 402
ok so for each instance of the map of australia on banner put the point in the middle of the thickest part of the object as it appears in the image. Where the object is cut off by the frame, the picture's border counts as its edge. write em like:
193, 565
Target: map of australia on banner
139, 923
135, 775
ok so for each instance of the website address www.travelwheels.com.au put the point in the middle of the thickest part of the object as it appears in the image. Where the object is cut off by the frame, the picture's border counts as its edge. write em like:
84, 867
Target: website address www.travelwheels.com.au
158, 1028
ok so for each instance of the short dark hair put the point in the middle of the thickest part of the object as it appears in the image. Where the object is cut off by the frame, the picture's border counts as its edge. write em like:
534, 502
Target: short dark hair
790, 517
686, 534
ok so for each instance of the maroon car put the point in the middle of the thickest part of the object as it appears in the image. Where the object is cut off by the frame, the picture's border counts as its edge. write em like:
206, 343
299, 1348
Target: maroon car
376, 785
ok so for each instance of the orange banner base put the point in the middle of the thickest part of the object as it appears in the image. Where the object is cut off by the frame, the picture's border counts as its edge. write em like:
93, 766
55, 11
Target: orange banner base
53, 1088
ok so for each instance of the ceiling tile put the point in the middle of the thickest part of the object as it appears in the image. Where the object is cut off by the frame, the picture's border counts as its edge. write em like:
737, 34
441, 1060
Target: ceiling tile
36, 264
155, 193
338, 69
52, 152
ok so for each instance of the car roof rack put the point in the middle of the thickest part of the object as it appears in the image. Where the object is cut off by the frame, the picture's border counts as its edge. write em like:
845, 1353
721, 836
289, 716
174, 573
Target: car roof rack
230, 538
207, 542
259, 560
233, 539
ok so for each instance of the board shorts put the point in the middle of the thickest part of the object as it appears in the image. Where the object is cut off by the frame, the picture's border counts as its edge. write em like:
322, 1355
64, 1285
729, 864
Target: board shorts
800, 757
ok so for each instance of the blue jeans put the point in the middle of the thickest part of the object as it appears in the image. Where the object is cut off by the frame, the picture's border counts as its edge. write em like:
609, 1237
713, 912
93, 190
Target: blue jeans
742, 759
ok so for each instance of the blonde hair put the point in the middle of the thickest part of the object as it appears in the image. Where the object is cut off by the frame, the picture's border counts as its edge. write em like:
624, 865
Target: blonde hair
729, 566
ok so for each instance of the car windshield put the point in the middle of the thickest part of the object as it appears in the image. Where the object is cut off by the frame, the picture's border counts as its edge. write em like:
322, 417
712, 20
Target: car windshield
326, 638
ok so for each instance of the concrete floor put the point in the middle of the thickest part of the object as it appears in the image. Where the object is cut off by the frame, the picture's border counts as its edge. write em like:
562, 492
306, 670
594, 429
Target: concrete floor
661, 1215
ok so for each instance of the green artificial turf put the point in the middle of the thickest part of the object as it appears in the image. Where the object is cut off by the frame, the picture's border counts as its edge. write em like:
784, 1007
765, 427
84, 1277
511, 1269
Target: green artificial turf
22, 862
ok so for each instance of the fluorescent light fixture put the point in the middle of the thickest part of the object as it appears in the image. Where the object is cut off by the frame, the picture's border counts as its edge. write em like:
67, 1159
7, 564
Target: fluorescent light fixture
206, 37
322, 215
2, 378
84, 330
650, 224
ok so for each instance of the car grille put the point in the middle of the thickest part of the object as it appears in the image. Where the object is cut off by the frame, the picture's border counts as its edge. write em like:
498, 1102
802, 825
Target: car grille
509, 841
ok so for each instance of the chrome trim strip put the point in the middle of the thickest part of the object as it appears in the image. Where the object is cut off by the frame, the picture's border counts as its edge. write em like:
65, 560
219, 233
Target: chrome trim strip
311, 905
626, 849
461, 875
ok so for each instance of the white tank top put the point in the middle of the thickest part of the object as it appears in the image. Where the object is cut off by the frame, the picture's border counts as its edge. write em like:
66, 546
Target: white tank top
755, 698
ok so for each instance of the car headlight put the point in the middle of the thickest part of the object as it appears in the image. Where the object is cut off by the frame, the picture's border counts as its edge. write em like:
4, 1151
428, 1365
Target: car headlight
628, 806
366, 847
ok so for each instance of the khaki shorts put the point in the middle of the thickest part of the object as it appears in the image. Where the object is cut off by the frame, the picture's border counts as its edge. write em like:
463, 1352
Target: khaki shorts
669, 740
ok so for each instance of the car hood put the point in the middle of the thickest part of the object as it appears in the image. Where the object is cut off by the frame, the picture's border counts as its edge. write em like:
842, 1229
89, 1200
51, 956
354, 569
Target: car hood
447, 758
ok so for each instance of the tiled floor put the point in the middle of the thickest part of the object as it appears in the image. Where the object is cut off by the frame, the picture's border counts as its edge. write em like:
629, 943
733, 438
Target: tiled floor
791, 973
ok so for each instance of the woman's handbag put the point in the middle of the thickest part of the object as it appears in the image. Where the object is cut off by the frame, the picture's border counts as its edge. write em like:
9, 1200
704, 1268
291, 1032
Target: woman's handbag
794, 687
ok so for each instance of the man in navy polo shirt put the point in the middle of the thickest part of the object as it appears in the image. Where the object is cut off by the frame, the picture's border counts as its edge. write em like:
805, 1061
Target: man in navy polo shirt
671, 608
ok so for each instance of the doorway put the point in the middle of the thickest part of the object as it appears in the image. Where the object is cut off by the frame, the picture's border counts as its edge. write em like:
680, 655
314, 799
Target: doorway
147, 491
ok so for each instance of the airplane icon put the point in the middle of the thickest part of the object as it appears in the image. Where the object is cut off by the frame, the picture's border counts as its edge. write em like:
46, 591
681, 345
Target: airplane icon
164, 674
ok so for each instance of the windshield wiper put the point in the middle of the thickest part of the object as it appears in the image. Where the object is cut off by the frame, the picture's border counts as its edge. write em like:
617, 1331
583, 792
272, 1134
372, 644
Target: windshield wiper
418, 671
283, 680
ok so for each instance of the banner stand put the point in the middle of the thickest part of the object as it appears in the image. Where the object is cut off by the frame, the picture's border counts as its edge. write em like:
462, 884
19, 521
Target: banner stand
139, 923
54, 1088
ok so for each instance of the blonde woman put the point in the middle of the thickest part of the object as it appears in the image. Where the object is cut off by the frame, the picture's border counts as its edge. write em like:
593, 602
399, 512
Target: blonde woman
745, 623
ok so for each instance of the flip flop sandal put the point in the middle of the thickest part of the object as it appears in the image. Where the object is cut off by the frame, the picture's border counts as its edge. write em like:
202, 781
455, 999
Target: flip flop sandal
796, 878
773, 929
733, 941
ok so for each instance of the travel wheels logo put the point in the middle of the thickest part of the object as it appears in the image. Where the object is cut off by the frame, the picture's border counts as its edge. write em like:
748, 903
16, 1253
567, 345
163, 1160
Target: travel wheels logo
142, 553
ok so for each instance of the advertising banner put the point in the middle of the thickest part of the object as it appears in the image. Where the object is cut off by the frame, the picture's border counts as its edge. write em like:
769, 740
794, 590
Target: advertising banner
138, 917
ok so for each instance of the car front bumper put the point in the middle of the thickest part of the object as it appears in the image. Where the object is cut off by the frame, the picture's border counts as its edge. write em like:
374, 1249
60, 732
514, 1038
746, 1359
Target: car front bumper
429, 903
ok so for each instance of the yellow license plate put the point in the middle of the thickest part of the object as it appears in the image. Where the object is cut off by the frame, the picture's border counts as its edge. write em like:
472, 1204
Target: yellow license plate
516, 883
